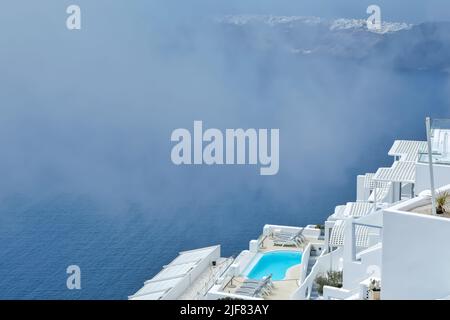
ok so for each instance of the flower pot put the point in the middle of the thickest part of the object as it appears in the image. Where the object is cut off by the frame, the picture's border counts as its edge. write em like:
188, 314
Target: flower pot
374, 295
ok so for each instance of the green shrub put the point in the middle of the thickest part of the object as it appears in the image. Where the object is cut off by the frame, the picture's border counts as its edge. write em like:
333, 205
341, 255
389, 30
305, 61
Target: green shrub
331, 278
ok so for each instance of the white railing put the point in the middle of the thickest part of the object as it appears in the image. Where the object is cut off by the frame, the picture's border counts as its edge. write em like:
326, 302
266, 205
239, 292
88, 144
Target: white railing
213, 277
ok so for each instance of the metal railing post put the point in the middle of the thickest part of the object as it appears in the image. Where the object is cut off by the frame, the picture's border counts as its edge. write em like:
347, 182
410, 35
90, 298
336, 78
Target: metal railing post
430, 165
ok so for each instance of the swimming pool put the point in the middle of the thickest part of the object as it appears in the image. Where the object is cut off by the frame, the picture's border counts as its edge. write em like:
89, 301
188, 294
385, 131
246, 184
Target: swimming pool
275, 263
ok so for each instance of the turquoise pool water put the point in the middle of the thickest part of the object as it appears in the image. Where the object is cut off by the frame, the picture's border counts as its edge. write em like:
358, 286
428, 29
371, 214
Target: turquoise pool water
275, 263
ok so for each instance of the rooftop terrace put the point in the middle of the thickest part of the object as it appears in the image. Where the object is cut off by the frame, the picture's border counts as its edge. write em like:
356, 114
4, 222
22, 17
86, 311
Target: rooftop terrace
422, 204
310, 243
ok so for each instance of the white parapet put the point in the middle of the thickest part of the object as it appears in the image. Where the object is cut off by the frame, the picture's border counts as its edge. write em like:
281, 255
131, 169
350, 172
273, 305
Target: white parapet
441, 176
310, 231
253, 246
234, 270
416, 260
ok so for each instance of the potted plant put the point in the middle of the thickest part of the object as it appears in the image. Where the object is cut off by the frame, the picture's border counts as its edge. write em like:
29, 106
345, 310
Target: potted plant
441, 202
331, 278
321, 227
374, 289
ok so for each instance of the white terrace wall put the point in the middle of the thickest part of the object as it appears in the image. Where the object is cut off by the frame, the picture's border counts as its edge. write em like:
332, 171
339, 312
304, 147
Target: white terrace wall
305, 261
368, 261
309, 232
416, 259
366, 266
441, 176
326, 262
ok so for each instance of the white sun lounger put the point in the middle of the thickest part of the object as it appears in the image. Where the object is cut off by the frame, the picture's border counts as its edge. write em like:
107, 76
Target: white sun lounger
266, 280
284, 239
264, 286
248, 292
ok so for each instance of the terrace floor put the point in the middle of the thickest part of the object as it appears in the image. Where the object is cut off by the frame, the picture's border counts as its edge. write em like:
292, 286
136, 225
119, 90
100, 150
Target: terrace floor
427, 209
282, 290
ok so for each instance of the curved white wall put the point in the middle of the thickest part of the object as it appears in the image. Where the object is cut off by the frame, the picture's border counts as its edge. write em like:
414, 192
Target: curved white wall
416, 259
